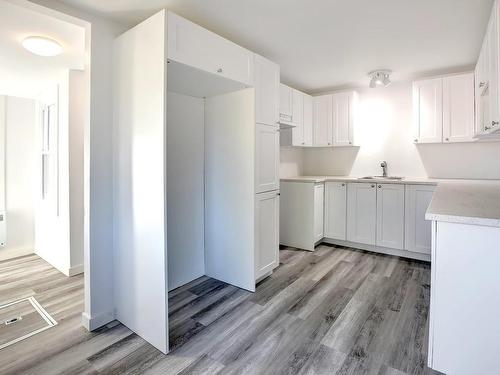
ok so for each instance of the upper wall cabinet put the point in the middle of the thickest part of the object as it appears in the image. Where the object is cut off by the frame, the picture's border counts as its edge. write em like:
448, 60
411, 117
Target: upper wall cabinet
300, 133
487, 83
458, 108
443, 109
344, 108
286, 104
195, 46
334, 119
267, 91
428, 110
322, 121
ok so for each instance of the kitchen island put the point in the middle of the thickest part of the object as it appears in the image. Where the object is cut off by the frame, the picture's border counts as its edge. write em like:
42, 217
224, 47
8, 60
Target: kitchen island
465, 278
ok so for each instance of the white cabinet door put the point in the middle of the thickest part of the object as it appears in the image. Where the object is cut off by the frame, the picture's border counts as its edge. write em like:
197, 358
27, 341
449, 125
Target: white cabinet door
458, 108
335, 210
493, 73
322, 121
267, 91
428, 110
417, 229
286, 103
191, 44
319, 206
390, 215
267, 148
343, 118
297, 118
361, 212
307, 121
266, 233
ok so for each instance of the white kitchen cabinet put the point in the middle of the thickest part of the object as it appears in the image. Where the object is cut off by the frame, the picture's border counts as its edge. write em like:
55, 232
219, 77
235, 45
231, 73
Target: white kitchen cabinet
487, 78
362, 213
195, 46
335, 210
297, 117
267, 91
307, 122
322, 121
390, 215
301, 214
266, 233
301, 134
343, 118
319, 206
428, 110
458, 108
286, 104
267, 149
417, 229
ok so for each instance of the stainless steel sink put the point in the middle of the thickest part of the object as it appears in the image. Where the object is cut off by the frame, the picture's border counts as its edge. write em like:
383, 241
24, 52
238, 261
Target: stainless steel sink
381, 178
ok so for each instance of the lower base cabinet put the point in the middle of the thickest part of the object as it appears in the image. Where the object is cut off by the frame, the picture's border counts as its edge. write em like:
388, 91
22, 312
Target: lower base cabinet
390, 216
362, 213
417, 229
301, 214
266, 233
383, 215
335, 210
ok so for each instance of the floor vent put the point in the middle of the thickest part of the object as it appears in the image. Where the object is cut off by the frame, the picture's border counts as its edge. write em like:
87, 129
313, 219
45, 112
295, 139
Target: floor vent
22, 319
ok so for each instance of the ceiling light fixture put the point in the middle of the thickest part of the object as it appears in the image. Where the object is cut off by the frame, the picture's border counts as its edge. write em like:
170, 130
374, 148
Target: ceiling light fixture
380, 78
42, 46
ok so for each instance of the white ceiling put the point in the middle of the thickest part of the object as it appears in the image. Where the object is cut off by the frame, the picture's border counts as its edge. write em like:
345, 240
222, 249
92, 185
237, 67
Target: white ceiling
23, 73
322, 44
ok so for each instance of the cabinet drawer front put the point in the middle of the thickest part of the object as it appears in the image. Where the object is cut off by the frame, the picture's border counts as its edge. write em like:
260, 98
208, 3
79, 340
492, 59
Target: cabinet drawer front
195, 46
335, 210
267, 148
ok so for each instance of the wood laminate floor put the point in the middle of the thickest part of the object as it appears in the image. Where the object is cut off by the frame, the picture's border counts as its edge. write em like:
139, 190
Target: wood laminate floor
333, 311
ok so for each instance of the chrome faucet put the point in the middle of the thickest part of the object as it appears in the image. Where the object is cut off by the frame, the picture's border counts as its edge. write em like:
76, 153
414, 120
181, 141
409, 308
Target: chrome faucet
384, 168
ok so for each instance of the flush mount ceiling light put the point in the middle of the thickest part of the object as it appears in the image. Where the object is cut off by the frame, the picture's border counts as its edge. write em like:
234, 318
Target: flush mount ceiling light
42, 46
380, 78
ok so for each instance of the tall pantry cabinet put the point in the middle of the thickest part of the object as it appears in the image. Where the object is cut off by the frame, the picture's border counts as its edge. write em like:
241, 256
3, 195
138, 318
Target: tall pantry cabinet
178, 86
267, 143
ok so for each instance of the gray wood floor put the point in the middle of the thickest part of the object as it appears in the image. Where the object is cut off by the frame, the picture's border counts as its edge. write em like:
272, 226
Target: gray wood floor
334, 311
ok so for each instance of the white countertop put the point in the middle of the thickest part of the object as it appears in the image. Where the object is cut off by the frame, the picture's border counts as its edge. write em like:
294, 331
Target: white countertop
406, 180
466, 202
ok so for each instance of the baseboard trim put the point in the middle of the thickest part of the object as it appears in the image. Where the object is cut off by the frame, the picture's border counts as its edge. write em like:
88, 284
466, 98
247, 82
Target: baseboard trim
75, 270
97, 321
379, 249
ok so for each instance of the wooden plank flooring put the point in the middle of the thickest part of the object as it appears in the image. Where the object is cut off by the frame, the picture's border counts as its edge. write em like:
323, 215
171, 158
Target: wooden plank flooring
333, 311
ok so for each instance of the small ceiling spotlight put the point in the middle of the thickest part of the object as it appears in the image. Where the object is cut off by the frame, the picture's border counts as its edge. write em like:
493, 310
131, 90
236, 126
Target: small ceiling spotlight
42, 46
380, 78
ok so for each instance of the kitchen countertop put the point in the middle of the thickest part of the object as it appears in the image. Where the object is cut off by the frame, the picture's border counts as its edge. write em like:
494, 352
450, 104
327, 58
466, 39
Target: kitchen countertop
466, 202
406, 180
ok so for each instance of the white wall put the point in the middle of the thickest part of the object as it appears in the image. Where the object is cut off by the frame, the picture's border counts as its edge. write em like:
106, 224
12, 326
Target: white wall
76, 92
59, 225
98, 160
385, 133
291, 162
19, 175
185, 189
